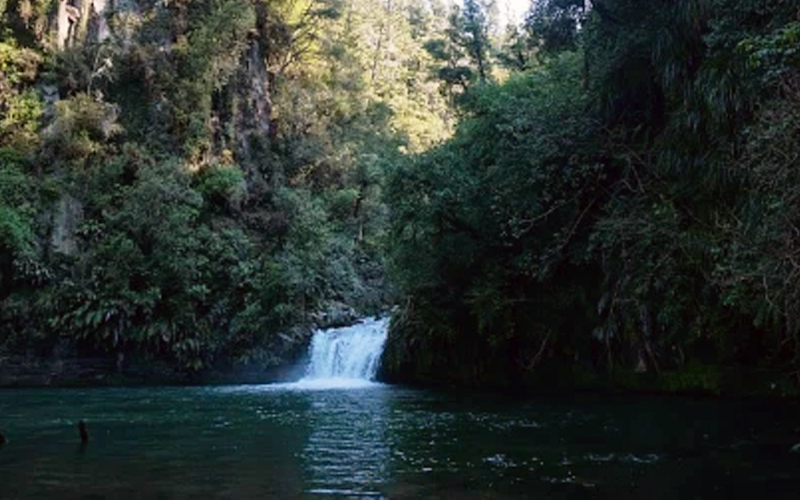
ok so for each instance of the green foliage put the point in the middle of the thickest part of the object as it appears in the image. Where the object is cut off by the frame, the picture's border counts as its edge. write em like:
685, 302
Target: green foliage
462, 49
16, 207
26, 22
554, 24
647, 194
220, 184
695, 378
471, 31
489, 225
17, 213
517, 49
204, 59
152, 277
224, 169
20, 108
81, 128
16, 188
233, 205
16, 235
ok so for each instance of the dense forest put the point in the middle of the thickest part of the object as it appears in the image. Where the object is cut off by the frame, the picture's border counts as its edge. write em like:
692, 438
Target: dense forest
621, 211
199, 182
599, 195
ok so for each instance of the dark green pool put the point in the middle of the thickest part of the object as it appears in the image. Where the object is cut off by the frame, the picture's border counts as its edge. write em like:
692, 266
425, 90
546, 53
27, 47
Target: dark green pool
387, 442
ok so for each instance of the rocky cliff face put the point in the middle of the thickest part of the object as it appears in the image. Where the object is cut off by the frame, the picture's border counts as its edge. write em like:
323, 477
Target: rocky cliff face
129, 86
252, 107
78, 21
240, 119
68, 215
242, 114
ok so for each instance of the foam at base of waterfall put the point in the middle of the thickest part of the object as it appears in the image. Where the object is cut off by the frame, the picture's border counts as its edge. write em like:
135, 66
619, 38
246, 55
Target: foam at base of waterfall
345, 357
311, 384
306, 384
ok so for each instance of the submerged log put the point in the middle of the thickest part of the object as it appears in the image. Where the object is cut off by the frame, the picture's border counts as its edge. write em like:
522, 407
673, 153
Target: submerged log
83, 432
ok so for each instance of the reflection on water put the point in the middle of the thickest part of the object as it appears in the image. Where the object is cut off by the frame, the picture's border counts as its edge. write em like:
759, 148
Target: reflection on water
348, 448
375, 441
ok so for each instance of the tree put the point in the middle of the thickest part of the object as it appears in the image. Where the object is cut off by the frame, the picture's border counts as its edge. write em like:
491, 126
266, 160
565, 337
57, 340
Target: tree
489, 232
474, 36
555, 24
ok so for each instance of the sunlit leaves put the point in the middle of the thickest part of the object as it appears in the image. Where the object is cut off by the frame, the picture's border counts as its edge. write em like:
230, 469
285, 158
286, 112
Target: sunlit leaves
81, 127
20, 106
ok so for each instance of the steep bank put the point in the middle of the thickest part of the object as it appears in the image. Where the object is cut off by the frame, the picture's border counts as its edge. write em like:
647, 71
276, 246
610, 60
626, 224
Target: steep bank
416, 354
68, 364
187, 184
623, 214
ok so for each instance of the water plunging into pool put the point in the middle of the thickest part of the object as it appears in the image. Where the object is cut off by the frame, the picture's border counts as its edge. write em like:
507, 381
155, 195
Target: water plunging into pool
346, 357
384, 441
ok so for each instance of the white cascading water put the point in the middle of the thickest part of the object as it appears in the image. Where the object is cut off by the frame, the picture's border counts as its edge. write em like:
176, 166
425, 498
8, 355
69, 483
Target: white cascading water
346, 357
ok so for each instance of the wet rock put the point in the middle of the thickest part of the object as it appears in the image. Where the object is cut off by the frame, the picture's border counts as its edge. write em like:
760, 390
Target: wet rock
335, 315
68, 216
252, 106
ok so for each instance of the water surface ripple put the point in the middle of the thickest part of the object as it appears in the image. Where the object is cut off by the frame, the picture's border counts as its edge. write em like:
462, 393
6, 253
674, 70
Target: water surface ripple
378, 441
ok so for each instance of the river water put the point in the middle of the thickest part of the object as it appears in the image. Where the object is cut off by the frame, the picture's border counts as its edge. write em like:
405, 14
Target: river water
329, 436
388, 442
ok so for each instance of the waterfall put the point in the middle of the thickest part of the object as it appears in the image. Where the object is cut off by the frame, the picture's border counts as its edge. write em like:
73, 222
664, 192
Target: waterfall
346, 356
